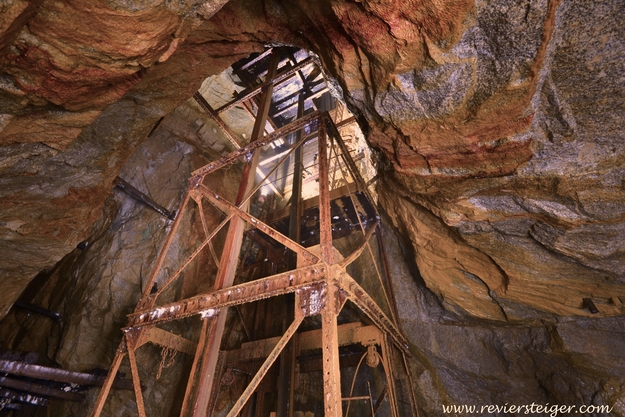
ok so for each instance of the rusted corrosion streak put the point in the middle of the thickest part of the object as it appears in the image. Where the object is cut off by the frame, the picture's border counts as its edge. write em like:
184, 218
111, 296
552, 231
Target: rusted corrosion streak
267, 364
55, 374
199, 98
363, 301
233, 156
275, 81
354, 255
230, 208
207, 304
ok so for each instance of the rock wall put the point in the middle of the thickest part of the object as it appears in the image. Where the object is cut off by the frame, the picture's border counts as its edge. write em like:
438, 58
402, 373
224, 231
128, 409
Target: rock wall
557, 360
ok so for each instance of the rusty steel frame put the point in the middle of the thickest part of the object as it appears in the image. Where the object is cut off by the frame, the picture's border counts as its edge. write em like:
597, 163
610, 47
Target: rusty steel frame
229, 208
367, 244
208, 304
200, 393
299, 317
198, 174
320, 283
273, 81
232, 137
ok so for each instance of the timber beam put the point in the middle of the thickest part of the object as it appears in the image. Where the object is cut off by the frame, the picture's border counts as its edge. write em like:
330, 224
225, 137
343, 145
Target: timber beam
349, 334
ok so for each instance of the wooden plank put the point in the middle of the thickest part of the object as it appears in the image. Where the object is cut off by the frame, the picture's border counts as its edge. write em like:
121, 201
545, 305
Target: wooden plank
169, 340
348, 334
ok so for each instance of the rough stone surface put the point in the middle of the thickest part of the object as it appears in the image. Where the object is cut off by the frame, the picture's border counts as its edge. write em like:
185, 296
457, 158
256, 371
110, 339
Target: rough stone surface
458, 361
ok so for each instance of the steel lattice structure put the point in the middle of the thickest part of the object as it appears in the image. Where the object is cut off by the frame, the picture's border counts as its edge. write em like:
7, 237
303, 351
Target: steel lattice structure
320, 280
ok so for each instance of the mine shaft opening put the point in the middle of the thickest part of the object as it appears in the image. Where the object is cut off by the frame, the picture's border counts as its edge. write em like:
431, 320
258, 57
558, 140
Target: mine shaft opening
290, 221
305, 192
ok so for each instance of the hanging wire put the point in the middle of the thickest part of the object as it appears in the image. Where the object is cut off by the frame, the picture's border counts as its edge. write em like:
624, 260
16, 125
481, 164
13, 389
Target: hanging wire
351, 390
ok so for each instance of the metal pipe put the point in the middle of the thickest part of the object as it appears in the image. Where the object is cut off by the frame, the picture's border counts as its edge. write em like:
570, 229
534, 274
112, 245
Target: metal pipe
138, 195
59, 375
39, 310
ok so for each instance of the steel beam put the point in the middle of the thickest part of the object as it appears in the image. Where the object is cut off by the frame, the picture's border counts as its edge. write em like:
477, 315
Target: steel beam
368, 306
330, 353
309, 98
134, 370
325, 216
354, 255
108, 382
267, 364
229, 208
145, 199
232, 137
233, 156
348, 160
208, 304
257, 59
271, 81
348, 334
167, 339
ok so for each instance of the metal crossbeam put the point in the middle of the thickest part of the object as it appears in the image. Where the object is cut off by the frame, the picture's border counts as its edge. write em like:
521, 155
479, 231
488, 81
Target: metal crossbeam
207, 304
272, 81
230, 208
364, 302
233, 156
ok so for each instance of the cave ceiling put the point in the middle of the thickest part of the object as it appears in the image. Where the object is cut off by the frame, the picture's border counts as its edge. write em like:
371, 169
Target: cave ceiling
499, 127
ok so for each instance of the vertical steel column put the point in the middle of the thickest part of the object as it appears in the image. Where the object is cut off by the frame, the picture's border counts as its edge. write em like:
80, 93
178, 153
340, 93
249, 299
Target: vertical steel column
325, 220
197, 398
330, 311
330, 351
286, 391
